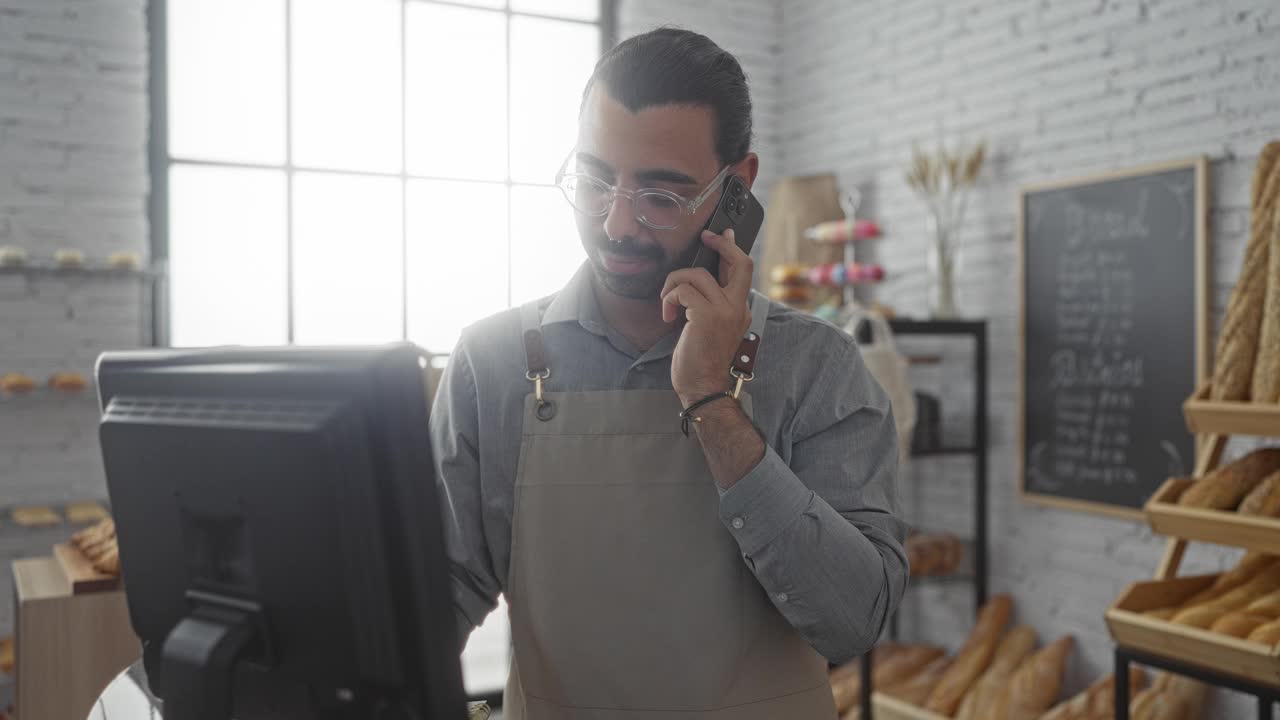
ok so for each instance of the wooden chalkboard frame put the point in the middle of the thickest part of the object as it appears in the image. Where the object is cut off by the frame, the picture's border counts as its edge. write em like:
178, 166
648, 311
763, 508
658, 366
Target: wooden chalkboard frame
1200, 164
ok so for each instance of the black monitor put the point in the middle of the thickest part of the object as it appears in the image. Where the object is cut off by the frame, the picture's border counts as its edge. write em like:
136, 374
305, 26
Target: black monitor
280, 538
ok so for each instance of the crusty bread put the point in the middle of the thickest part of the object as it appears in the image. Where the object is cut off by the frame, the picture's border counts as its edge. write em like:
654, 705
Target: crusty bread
1036, 685
973, 658
917, 688
1238, 624
1264, 499
1250, 565
1016, 646
1268, 634
1098, 700
1268, 605
1200, 616
1225, 487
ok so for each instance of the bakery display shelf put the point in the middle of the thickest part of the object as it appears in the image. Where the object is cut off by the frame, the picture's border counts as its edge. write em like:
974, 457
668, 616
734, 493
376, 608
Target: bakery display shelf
1212, 651
1267, 696
887, 707
1205, 416
1167, 517
48, 269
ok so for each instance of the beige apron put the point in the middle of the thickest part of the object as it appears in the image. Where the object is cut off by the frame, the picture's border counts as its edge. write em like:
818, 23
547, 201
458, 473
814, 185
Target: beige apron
629, 599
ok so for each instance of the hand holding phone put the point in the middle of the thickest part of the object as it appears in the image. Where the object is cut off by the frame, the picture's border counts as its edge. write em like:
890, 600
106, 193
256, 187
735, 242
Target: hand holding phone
738, 209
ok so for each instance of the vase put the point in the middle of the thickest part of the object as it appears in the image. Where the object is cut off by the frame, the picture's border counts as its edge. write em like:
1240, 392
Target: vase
943, 263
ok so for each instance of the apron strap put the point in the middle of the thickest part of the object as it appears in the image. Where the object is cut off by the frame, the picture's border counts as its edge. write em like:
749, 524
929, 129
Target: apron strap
744, 361
531, 327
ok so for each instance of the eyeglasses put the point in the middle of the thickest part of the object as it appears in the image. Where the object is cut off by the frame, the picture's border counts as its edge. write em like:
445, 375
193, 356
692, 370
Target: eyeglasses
656, 208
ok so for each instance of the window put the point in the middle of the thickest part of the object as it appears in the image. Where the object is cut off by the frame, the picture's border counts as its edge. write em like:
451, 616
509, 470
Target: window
361, 171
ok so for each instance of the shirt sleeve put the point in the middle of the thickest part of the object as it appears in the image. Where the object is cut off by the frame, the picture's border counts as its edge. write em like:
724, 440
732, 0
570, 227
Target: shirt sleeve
455, 446
821, 531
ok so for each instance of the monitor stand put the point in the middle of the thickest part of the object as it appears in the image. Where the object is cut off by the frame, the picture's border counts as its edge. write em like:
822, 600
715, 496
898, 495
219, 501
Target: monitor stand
201, 652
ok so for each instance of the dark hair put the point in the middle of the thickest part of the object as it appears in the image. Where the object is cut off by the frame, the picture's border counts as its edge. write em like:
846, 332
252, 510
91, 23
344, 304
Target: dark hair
671, 66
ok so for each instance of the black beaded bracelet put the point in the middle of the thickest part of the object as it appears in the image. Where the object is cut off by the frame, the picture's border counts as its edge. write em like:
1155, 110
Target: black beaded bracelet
688, 415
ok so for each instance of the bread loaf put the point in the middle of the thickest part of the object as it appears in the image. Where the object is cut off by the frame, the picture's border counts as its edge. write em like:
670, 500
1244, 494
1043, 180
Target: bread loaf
1264, 499
973, 658
1225, 487
892, 665
1241, 326
1098, 700
1036, 685
1266, 368
1260, 585
1250, 565
1268, 605
917, 688
1200, 616
1238, 624
1268, 634
1015, 646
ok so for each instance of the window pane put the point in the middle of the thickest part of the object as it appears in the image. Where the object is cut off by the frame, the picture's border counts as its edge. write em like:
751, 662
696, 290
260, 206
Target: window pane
487, 659
227, 229
456, 92
346, 259
346, 84
550, 63
457, 258
580, 9
545, 249
227, 105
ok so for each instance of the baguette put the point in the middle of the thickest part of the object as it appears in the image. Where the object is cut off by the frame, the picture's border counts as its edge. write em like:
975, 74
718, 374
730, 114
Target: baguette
1225, 487
1015, 647
1262, 584
1268, 634
1200, 616
1238, 624
1250, 565
1098, 700
917, 688
1268, 605
900, 664
1037, 683
973, 658
1238, 339
1266, 368
1264, 499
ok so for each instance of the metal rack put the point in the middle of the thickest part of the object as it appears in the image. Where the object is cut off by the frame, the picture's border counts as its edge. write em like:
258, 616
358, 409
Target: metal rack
977, 331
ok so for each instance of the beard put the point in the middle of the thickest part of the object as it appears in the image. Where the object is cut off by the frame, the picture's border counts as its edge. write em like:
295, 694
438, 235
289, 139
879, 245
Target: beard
636, 286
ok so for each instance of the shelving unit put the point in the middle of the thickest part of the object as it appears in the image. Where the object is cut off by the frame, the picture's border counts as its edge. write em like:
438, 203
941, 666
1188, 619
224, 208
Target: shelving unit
1247, 667
976, 550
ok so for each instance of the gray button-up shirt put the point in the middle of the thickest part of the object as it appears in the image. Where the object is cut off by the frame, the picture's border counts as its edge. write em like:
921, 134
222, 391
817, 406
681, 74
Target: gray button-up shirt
817, 519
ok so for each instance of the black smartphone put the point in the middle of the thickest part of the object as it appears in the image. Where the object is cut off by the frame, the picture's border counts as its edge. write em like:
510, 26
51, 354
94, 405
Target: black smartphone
737, 209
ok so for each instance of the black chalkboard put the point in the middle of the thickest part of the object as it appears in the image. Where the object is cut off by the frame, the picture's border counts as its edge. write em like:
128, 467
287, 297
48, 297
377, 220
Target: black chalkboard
1113, 334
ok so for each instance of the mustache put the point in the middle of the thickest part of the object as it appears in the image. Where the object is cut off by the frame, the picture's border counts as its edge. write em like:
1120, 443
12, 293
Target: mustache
628, 247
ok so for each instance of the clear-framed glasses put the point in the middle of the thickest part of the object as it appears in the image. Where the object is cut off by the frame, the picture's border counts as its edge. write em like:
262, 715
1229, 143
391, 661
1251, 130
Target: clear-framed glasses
655, 207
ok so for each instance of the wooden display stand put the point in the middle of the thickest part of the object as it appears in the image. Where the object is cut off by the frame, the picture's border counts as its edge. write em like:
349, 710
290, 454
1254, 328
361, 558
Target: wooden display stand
72, 637
1211, 657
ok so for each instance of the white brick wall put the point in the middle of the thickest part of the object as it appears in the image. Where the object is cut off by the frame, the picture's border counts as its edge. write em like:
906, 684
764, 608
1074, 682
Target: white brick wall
73, 123
1059, 88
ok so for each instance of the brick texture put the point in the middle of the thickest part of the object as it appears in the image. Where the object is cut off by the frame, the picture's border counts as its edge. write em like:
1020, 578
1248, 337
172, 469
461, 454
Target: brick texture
1058, 88
73, 138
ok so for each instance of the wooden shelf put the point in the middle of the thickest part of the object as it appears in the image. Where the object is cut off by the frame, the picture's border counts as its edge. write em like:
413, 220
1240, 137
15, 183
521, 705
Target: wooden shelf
45, 269
1212, 651
1166, 517
1212, 417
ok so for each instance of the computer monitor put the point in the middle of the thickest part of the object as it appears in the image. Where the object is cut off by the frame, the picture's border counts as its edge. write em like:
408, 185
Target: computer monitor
280, 537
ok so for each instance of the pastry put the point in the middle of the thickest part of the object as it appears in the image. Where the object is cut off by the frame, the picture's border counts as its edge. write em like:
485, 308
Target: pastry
85, 512
68, 382
1225, 487
1265, 498
35, 516
1036, 685
109, 562
124, 261
1015, 646
917, 688
789, 274
1241, 325
973, 658
1239, 624
12, 257
17, 383
68, 259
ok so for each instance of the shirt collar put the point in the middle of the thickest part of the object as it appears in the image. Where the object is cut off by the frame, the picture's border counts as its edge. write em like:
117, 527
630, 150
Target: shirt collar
576, 302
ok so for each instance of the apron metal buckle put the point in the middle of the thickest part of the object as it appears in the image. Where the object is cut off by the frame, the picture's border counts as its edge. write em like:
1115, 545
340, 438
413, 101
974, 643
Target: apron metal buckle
741, 378
545, 409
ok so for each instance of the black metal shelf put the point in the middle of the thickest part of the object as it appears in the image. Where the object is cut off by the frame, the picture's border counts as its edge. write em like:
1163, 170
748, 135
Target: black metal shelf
84, 271
977, 331
1267, 695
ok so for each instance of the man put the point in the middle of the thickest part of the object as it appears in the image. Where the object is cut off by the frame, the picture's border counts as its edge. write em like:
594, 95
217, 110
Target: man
650, 571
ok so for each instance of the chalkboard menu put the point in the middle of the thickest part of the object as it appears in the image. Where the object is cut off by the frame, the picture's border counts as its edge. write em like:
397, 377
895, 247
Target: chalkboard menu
1113, 334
